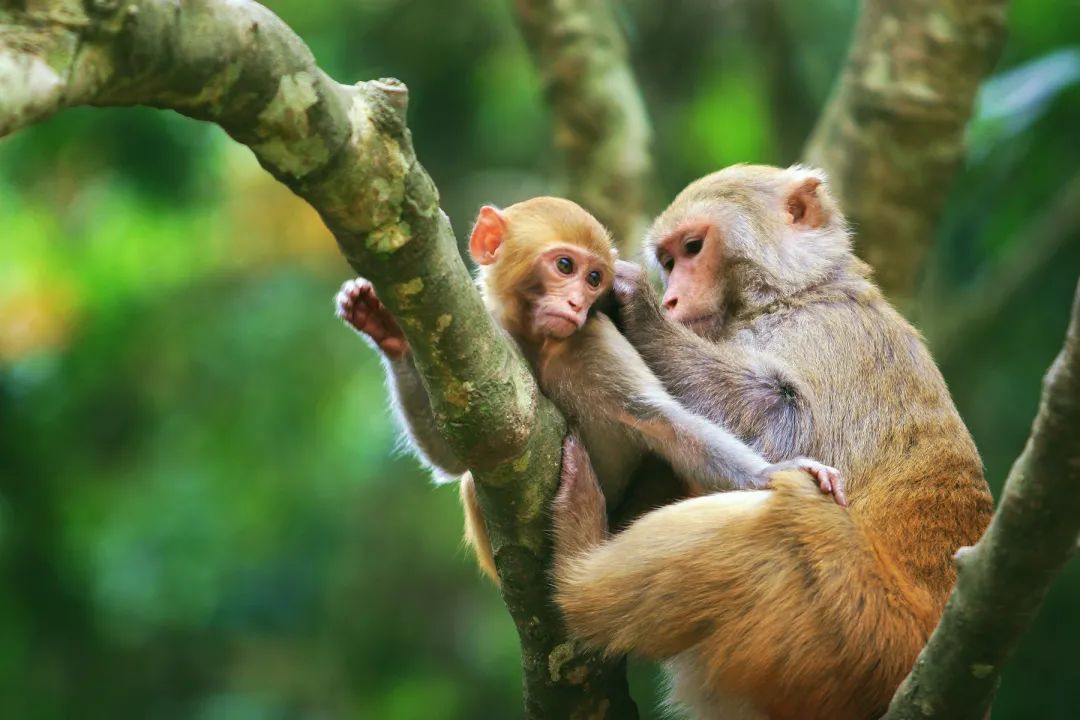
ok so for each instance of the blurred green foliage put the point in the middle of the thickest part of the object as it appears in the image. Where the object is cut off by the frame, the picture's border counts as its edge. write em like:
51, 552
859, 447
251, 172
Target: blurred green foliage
202, 513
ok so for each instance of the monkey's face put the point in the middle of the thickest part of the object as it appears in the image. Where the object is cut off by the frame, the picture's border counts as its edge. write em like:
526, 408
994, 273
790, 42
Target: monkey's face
691, 257
744, 236
571, 279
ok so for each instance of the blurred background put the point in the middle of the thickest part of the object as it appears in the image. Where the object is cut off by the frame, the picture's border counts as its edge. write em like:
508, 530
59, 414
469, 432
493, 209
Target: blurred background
202, 512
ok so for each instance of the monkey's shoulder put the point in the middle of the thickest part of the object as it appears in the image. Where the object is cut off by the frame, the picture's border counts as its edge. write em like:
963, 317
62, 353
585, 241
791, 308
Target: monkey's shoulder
835, 336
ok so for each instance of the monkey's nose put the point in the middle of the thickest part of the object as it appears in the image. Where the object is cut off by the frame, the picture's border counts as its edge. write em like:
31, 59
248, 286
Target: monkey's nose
574, 304
670, 303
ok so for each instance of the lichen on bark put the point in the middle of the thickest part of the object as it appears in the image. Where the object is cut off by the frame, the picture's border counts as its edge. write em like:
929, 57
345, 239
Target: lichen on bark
602, 129
347, 151
892, 135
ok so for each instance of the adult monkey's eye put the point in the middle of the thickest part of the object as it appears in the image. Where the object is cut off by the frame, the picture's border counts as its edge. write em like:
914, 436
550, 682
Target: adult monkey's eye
593, 278
693, 245
668, 263
564, 264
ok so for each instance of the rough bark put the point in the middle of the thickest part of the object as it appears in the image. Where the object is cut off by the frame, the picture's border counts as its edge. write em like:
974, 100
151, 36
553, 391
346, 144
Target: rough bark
891, 136
601, 127
1005, 577
347, 151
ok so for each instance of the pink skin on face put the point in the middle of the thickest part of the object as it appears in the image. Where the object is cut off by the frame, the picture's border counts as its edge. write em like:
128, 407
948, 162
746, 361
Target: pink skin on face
691, 257
573, 279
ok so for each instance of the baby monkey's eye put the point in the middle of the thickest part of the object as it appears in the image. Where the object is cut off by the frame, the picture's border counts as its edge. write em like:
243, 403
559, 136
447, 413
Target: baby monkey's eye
593, 278
693, 245
565, 265
668, 263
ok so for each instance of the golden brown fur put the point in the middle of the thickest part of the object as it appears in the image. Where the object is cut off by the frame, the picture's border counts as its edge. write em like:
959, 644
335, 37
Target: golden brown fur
533, 226
593, 374
476, 536
799, 607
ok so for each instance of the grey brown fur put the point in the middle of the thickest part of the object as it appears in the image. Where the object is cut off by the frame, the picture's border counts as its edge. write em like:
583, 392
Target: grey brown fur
777, 602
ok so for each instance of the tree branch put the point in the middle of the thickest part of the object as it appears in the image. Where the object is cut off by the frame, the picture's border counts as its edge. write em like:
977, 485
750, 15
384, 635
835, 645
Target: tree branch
601, 126
1005, 577
891, 136
347, 151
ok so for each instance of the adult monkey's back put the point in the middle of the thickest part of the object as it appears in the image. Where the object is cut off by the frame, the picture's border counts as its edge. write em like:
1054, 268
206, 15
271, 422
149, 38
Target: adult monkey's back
779, 603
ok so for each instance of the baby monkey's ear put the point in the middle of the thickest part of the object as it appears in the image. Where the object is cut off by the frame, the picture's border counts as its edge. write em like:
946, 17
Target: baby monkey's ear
487, 235
804, 201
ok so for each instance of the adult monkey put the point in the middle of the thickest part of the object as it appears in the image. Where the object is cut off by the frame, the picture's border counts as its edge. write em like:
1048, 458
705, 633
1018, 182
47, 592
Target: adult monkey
542, 264
778, 603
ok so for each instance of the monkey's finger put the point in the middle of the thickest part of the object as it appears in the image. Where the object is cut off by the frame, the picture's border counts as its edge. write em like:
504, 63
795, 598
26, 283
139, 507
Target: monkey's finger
349, 295
347, 286
345, 310
838, 489
354, 287
824, 484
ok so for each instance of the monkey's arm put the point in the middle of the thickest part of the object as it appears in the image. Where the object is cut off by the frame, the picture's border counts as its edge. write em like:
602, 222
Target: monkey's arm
412, 407
707, 454
730, 384
359, 307
598, 377
734, 387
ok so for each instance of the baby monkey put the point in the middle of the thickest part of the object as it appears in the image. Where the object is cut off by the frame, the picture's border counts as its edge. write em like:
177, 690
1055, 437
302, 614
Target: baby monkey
543, 265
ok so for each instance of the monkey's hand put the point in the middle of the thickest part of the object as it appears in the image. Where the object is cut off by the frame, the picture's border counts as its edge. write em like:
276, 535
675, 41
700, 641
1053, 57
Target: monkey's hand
828, 478
359, 307
580, 511
639, 308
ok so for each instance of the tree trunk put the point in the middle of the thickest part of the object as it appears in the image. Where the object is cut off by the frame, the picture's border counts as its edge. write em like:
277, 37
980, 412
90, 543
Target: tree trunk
601, 126
346, 150
892, 135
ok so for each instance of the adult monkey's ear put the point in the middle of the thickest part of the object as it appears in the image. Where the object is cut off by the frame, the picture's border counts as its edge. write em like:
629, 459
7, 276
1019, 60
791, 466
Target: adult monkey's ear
487, 235
804, 202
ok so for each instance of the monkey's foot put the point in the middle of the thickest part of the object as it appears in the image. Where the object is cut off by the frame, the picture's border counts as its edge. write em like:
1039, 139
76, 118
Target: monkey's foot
828, 478
358, 306
580, 511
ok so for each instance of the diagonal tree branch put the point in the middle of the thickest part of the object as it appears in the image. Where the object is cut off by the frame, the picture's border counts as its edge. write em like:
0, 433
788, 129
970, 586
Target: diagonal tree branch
1005, 577
601, 126
891, 136
347, 151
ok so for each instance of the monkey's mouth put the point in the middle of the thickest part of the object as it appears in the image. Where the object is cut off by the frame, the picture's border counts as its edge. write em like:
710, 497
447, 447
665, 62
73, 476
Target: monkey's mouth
697, 322
561, 323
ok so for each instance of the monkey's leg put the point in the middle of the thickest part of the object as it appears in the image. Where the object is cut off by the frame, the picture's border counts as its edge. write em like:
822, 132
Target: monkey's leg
778, 594
476, 535
581, 513
580, 510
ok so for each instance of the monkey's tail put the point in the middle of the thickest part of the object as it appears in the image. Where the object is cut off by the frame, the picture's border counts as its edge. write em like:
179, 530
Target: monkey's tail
778, 595
476, 536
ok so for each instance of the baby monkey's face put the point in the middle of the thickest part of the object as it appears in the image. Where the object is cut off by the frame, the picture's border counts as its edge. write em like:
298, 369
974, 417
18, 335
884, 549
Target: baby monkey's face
572, 279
